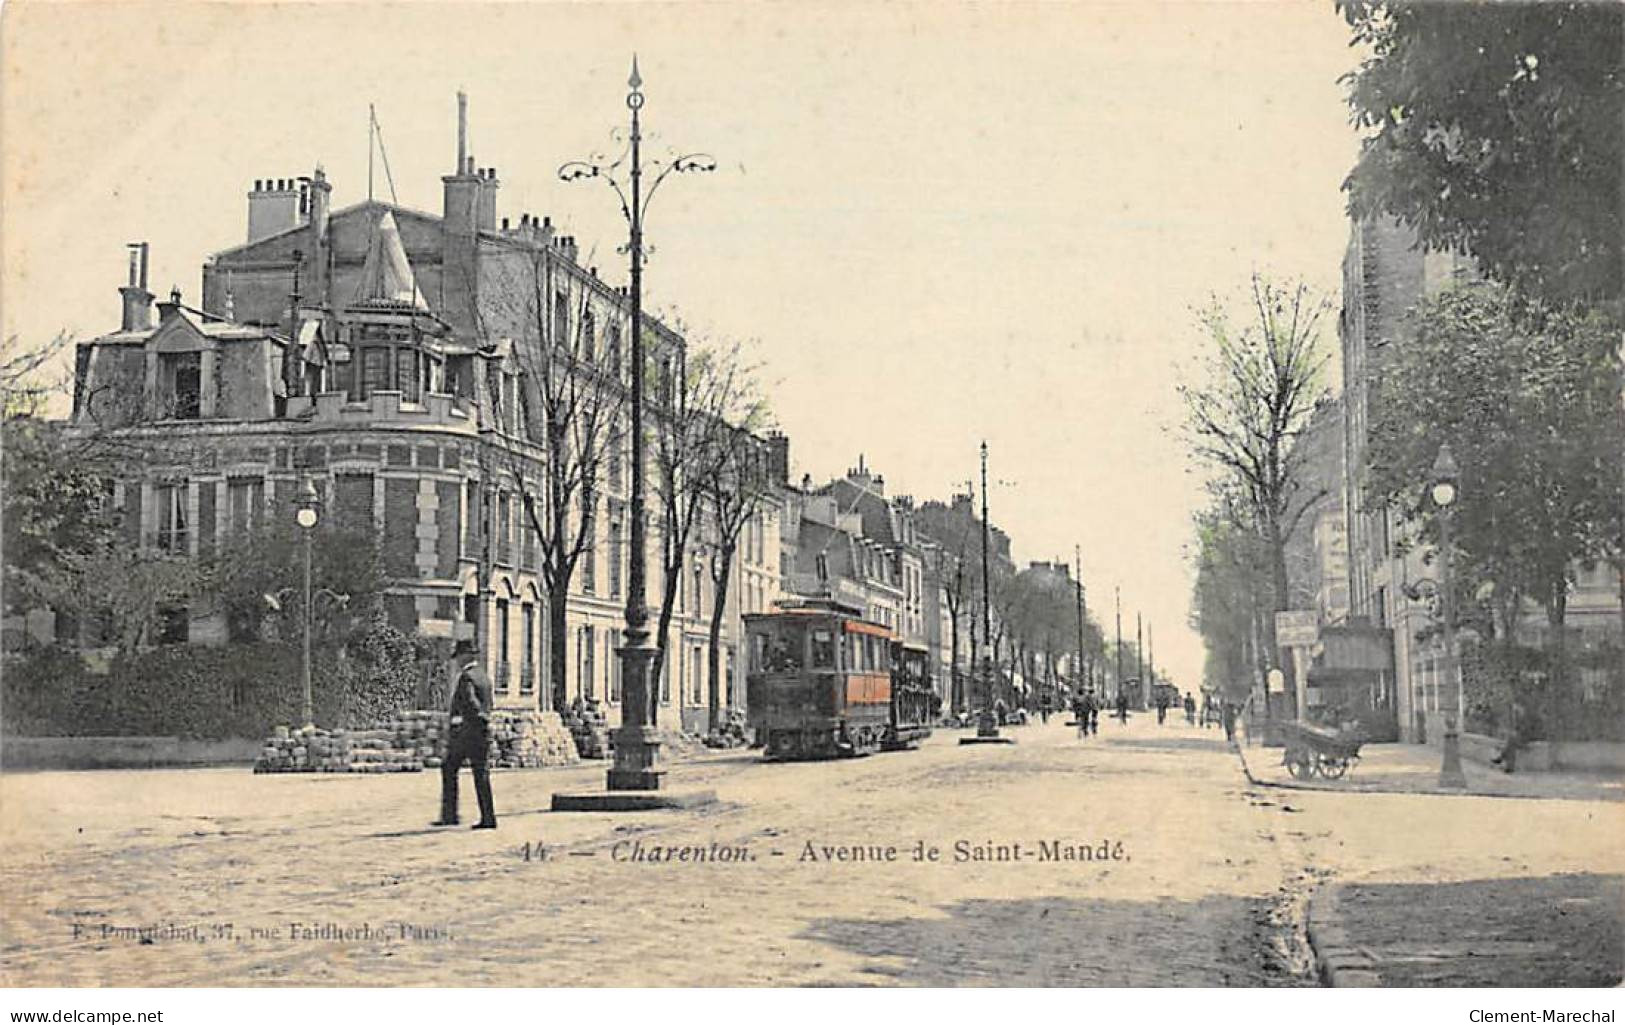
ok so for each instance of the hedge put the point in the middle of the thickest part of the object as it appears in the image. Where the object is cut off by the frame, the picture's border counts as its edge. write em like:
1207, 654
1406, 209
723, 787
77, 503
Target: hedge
239, 690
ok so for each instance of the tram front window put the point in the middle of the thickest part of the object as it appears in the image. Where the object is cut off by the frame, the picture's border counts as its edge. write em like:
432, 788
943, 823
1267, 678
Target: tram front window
784, 653
823, 650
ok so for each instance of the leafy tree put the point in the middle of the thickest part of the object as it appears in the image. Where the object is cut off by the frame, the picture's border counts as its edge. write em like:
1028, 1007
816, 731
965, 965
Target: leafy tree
1262, 384
1231, 574
268, 562
1498, 129
1529, 401
55, 506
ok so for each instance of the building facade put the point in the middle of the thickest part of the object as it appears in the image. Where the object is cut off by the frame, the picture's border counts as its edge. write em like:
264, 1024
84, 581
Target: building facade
395, 360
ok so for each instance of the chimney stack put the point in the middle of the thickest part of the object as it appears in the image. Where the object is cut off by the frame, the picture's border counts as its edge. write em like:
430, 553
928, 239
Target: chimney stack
137, 300
487, 209
778, 457
462, 132
280, 205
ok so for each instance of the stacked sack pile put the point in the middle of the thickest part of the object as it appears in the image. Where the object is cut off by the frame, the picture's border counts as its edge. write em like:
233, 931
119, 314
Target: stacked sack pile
589, 726
528, 739
380, 750
423, 733
309, 749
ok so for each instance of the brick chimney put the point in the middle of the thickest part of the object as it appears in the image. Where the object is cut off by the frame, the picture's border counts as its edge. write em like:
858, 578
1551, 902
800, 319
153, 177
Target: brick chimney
137, 300
459, 227
487, 209
275, 206
778, 457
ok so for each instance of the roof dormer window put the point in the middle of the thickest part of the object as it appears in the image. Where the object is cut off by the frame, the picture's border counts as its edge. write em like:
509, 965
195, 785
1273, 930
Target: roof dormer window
180, 382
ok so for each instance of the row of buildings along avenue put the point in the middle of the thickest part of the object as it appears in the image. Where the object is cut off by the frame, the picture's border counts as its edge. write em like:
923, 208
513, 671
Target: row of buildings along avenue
385, 357
1359, 576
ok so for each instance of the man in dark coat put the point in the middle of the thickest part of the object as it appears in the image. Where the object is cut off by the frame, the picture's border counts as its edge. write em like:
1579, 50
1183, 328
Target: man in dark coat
469, 737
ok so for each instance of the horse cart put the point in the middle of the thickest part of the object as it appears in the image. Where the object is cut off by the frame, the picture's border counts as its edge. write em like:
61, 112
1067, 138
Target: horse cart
1316, 750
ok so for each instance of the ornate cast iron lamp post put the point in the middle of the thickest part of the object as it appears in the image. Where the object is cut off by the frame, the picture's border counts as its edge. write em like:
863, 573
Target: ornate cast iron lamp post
636, 744
987, 723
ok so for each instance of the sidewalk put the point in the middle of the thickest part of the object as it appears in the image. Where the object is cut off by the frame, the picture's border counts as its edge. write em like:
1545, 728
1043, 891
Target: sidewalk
1414, 769
1552, 931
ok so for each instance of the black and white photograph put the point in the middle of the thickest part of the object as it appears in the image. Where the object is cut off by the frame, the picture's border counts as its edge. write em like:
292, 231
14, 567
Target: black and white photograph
738, 496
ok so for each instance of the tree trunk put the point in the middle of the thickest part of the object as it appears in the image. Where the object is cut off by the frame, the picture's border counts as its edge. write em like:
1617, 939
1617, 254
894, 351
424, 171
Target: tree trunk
713, 672
956, 693
668, 602
1557, 662
557, 644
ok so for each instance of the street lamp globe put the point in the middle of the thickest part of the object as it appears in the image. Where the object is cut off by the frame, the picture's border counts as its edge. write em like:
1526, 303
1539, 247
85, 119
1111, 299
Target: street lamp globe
306, 515
1444, 475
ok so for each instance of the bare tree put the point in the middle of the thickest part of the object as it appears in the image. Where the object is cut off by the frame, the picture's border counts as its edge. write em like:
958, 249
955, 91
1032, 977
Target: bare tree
689, 449
569, 396
734, 490
1263, 382
952, 534
26, 377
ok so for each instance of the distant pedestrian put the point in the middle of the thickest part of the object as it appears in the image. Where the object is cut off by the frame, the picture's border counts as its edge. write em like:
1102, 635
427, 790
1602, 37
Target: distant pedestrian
1162, 709
1227, 712
468, 738
1190, 710
1122, 708
1207, 710
1094, 713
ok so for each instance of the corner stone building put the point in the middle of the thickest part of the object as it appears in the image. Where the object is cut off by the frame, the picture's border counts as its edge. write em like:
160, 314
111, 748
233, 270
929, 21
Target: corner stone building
378, 353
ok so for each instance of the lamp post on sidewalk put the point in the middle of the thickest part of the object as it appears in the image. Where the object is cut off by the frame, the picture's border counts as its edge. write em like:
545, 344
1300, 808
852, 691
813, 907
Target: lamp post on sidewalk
636, 745
987, 723
307, 516
1444, 496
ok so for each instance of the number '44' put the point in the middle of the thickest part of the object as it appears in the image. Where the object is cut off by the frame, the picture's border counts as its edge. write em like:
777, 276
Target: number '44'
533, 851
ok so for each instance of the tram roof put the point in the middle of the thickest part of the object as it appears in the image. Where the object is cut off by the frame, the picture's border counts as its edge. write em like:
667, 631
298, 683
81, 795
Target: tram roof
855, 621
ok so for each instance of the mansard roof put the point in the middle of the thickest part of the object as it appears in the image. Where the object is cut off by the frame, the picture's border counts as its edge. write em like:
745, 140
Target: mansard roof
185, 322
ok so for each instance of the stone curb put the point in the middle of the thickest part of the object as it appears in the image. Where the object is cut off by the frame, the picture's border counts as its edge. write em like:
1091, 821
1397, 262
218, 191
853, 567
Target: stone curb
1340, 964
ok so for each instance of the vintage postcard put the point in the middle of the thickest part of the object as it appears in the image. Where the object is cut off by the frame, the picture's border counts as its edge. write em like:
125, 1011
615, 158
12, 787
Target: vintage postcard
688, 494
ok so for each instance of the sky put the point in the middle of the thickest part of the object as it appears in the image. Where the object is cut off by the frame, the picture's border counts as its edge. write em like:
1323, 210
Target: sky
934, 224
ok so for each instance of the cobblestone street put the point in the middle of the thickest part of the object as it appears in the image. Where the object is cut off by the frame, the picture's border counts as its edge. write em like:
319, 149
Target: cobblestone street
1196, 878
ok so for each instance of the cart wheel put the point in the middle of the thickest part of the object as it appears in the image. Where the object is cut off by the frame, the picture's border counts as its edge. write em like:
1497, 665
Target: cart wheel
1333, 768
1299, 765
